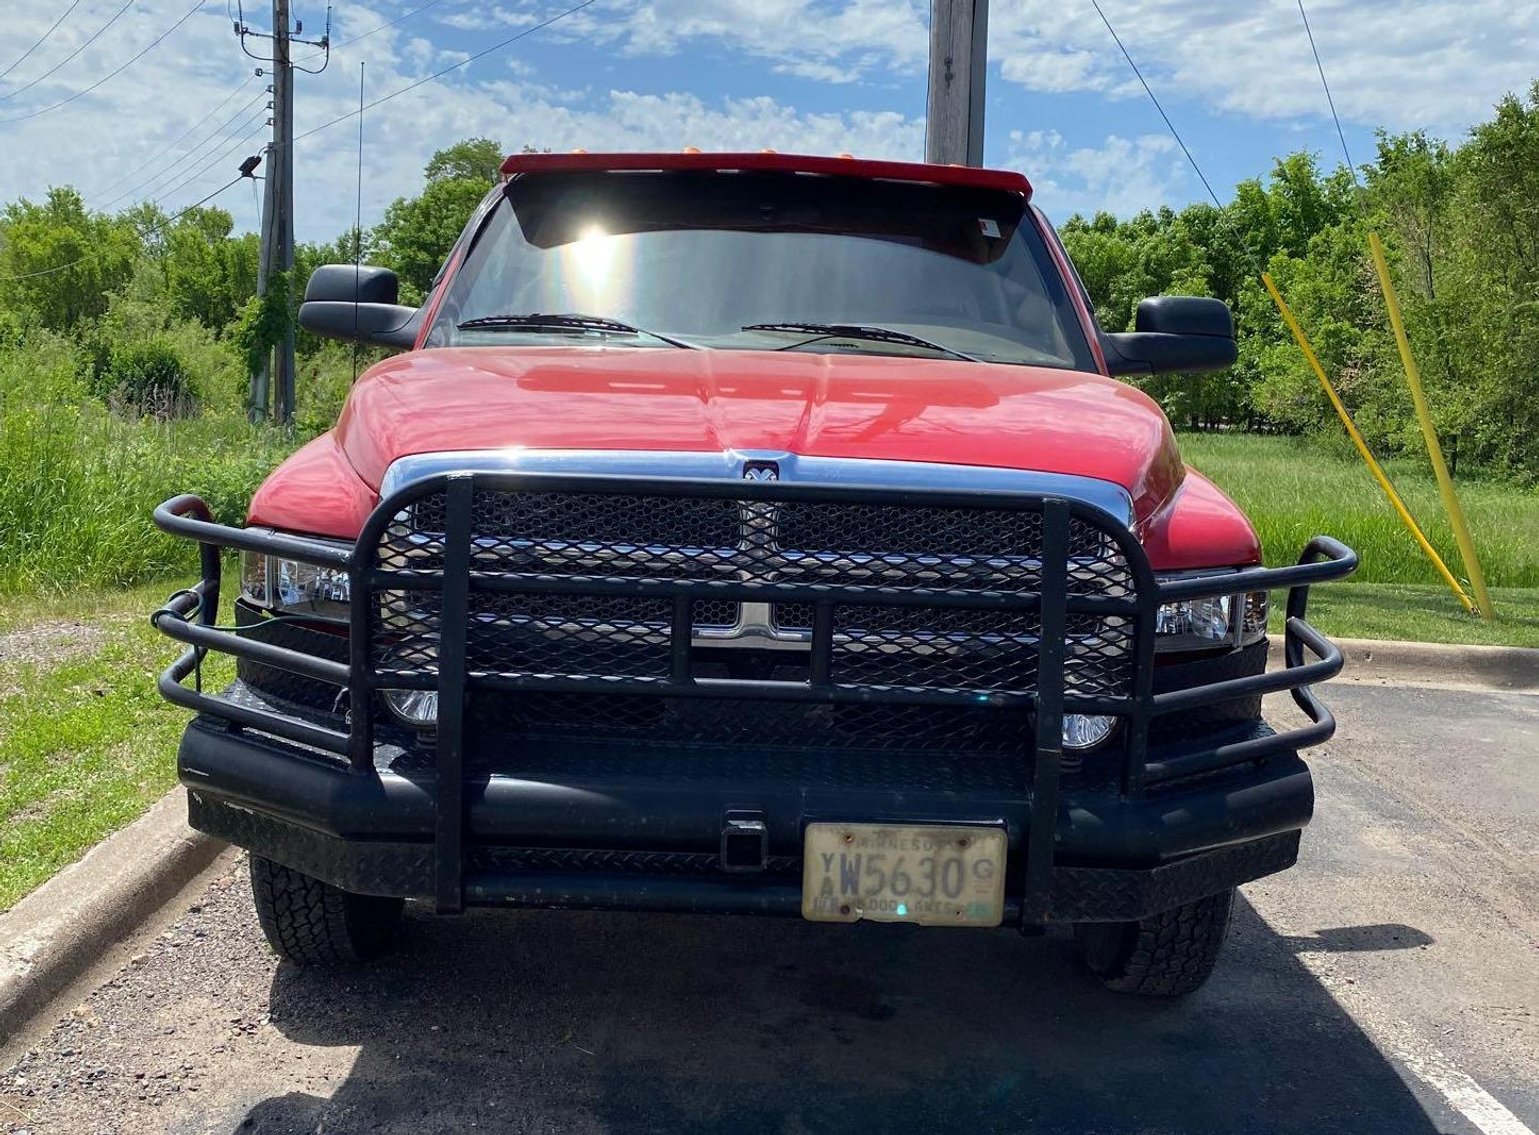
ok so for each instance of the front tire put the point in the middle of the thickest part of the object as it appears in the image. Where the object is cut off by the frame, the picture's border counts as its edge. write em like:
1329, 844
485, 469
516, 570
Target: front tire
1169, 954
311, 923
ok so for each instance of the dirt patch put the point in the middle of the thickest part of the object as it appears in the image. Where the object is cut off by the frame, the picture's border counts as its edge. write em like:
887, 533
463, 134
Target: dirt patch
49, 643
45, 645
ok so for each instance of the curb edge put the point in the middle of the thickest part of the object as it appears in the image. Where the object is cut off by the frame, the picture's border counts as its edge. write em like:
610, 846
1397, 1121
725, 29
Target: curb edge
57, 932
1509, 668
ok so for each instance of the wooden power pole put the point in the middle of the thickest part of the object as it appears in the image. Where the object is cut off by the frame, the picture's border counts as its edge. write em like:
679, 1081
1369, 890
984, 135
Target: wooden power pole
275, 378
959, 36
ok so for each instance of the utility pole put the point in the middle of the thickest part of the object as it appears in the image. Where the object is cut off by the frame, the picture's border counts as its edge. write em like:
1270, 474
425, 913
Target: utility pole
959, 40
277, 245
281, 174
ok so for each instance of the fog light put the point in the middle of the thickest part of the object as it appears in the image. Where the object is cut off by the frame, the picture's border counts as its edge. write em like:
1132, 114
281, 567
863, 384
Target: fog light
1086, 731
418, 708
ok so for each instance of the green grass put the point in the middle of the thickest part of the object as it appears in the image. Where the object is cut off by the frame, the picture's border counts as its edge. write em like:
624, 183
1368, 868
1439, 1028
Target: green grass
78, 486
1294, 488
86, 743
1418, 612
78, 482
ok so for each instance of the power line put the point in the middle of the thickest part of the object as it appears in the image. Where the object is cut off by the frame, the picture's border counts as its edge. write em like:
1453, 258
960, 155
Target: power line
55, 27
160, 153
196, 154
1250, 253
97, 256
379, 27
1170, 125
387, 24
1320, 67
218, 132
12, 94
114, 73
240, 144
529, 31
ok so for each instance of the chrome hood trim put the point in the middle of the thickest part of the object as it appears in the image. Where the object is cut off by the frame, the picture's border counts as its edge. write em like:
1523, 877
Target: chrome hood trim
728, 465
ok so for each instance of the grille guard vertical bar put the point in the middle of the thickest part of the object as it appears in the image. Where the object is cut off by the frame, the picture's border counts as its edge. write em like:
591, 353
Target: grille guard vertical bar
454, 628
1049, 740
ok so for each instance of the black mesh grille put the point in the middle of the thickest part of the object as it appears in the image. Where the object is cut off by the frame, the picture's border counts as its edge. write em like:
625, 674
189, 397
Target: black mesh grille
858, 553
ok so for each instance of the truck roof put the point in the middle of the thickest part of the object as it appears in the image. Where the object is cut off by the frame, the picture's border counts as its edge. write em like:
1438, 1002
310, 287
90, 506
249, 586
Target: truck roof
766, 160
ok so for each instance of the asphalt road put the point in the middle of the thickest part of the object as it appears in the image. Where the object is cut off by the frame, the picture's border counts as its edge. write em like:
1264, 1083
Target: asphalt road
1390, 983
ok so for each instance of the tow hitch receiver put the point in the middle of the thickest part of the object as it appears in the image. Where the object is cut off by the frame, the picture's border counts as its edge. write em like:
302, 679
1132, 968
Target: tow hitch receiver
744, 841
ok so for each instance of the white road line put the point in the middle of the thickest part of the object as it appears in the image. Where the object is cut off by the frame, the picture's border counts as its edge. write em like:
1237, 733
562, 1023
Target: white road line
1466, 1097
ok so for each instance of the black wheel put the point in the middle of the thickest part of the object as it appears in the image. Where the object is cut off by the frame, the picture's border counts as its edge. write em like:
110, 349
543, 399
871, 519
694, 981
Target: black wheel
1166, 955
312, 923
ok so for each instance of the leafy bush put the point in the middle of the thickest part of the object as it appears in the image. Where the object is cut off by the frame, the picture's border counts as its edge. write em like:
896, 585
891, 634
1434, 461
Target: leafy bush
148, 377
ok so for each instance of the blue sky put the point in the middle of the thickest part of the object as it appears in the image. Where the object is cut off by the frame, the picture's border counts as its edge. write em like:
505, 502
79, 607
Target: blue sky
814, 75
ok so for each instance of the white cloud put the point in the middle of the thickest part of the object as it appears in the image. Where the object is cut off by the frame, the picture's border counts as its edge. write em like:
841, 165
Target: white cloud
102, 138
1121, 176
833, 41
1438, 64
480, 19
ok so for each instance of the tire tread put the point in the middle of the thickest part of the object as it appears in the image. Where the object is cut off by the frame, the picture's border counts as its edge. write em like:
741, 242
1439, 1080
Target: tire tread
312, 923
1172, 953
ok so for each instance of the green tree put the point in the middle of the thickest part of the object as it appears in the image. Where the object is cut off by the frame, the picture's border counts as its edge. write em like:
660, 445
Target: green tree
417, 233
58, 262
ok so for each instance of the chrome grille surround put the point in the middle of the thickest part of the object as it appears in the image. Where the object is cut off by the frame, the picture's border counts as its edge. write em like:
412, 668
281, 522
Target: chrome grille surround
756, 551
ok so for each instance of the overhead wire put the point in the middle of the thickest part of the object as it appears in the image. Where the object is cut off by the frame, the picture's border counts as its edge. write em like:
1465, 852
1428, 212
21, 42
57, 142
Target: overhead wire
165, 149
1329, 101
402, 18
196, 153
52, 28
531, 30
93, 38
498, 46
223, 130
154, 43
387, 24
224, 154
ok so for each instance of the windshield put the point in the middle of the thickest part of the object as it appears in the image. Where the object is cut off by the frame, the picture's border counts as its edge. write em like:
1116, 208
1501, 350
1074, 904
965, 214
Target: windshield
711, 258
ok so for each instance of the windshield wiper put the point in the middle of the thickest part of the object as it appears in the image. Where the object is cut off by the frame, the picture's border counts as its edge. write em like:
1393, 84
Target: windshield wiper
860, 331
537, 321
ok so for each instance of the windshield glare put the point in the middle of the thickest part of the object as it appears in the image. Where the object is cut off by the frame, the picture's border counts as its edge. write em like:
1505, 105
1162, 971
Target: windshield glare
701, 256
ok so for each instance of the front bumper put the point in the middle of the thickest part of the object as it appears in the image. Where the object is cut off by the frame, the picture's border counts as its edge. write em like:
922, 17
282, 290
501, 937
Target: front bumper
480, 816
650, 840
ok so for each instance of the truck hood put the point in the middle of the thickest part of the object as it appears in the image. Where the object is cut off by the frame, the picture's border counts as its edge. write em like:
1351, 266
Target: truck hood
813, 405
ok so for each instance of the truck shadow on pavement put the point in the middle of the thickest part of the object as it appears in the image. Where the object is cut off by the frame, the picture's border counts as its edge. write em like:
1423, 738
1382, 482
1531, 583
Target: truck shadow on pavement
604, 1022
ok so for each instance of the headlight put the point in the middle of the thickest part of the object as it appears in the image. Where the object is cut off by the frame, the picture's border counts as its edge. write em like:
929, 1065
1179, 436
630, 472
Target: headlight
279, 584
1193, 624
1215, 621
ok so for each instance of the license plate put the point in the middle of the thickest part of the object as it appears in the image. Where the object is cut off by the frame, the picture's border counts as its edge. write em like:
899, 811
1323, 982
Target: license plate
935, 876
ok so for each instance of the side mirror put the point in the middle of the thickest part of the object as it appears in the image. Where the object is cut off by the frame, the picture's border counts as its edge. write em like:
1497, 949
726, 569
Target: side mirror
358, 305
1174, 333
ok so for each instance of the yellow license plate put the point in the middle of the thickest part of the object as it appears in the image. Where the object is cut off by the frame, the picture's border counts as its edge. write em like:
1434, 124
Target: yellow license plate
935, 876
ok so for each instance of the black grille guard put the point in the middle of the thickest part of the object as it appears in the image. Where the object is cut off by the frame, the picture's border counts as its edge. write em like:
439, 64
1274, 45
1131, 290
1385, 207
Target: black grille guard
1126, 596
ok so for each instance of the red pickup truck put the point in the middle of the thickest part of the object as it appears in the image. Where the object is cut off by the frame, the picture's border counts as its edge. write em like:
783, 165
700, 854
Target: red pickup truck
751, 533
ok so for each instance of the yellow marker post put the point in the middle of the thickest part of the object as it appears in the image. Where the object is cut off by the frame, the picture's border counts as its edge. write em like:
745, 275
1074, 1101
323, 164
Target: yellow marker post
1445, 487
1362, 446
